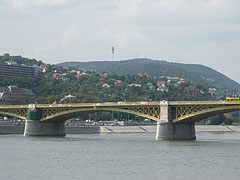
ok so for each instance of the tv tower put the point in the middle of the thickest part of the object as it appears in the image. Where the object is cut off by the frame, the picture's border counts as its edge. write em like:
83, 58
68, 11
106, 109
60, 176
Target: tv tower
113, 53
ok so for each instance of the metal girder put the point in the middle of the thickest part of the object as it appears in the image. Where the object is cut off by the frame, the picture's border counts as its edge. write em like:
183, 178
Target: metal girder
196, 113
19, 113
181, 111
146, 111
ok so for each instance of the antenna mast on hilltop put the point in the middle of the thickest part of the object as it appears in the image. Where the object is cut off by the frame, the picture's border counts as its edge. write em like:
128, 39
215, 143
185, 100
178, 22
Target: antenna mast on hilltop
113, 53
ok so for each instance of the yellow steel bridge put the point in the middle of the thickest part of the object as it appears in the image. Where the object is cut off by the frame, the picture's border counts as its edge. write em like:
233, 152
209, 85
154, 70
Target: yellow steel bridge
178, 111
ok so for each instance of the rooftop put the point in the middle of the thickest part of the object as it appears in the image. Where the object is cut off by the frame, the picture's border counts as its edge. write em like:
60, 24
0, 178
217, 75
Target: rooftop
15, 90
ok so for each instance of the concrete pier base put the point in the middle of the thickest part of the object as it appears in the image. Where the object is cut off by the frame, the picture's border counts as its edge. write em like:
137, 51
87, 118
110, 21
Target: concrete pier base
37, 128
170, 131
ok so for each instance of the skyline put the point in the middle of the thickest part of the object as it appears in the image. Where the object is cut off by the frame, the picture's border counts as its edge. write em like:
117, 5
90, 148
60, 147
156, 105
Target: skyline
203, 32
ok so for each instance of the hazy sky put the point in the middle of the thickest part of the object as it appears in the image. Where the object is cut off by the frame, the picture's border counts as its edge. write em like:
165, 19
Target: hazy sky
188, 31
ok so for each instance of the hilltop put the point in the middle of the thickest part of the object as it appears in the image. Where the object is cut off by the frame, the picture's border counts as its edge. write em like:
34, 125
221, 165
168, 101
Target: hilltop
195, 73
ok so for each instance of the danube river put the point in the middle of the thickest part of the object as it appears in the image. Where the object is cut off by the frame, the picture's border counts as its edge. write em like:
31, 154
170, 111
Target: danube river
120, 156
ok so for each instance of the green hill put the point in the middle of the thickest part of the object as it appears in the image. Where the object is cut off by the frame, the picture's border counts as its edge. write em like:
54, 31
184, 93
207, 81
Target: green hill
197, 74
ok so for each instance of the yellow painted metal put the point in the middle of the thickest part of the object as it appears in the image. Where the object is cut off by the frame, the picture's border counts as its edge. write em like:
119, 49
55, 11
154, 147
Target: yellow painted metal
75, 111
204, 113
180, 110
14, 114
147, 112
18, 111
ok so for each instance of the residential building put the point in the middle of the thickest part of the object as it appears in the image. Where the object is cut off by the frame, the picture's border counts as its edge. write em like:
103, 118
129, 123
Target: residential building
13, 95
150, 85
16, 71
162, 89
212, 90
118, 82
106, 86
136, 85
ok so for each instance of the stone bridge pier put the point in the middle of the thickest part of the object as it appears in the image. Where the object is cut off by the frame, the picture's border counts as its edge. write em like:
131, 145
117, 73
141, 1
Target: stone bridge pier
37, 128
166, 130
34, 127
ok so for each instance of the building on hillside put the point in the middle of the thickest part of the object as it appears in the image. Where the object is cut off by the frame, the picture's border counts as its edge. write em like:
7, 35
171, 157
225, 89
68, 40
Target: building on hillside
150, 85
13, 95
161, 83
16, 71
135, 85
57, 75
162, 89
106, 86
118, 82
212, 91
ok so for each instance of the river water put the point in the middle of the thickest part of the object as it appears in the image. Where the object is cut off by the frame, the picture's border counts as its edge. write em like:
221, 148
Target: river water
120, 156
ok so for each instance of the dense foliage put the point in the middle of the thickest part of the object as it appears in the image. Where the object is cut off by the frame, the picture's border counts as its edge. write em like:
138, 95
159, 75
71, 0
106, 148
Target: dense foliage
193, 72
89, 88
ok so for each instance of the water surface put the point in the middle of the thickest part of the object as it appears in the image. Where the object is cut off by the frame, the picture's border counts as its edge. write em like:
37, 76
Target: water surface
120, 156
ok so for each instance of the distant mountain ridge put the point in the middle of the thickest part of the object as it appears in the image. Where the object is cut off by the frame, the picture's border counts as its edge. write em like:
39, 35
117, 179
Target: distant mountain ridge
196, 73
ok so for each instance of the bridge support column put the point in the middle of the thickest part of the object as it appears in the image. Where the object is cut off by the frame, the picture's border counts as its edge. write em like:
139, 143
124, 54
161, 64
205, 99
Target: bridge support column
170, 131
37, 128
166, 130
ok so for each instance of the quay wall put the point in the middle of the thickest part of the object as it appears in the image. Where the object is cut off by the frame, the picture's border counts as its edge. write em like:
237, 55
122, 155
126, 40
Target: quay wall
19, 129
12, 129
82, 129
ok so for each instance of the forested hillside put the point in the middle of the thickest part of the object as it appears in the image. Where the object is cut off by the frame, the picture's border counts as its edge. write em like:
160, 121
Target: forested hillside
197, 74
103, 87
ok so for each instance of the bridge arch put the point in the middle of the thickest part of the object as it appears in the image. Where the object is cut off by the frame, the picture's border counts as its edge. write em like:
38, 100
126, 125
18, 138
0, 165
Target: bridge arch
13, 115
206, 113
65, 115
179, 112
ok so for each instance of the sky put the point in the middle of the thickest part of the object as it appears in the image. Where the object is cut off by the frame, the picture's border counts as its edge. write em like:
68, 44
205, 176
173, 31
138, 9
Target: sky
203, 32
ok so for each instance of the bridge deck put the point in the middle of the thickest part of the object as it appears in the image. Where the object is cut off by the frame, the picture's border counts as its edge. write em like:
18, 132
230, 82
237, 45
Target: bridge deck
179, 110
117, 104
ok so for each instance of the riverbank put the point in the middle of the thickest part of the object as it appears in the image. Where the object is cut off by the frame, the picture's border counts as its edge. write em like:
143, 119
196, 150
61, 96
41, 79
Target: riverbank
19, 129
152, 129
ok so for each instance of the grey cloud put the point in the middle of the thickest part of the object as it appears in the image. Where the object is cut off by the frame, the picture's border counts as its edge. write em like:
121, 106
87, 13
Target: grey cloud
203, 31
